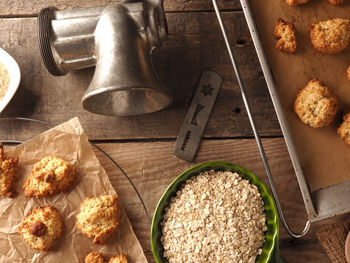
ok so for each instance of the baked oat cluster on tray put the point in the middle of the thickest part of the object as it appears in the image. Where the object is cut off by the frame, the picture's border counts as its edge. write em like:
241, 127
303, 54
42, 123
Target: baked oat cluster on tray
214, 217
51, 175
99, 217
330, 36
344, 129
316, 105
8, 171
300, 2
41, 228
296, 2
285, 34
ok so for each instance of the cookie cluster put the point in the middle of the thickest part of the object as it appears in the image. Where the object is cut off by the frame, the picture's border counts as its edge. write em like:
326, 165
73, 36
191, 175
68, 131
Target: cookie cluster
42, 227
301, 2
99, 217
49, 176
328, 37
316, 104
8, 171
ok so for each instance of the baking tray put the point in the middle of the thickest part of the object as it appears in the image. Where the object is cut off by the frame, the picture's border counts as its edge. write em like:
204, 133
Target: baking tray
320, 203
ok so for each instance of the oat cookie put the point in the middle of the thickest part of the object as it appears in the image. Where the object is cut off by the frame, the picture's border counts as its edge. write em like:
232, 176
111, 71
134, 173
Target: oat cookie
344, 129
335, 2
99, 217
121, 258
349, 73
285, 34
8, 171
41, 227
296, 2
330, 36
94, 257
49, 176
316, 105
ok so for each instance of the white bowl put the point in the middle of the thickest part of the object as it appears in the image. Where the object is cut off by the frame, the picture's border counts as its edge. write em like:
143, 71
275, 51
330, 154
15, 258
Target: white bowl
347, 248
15, 77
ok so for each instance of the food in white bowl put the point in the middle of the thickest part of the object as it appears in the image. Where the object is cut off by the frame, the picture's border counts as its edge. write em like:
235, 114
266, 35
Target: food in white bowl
214, 217
4, 80
10, 76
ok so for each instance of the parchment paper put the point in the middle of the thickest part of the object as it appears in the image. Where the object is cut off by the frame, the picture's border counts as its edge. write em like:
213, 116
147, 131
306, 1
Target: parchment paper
324, 156
69, 142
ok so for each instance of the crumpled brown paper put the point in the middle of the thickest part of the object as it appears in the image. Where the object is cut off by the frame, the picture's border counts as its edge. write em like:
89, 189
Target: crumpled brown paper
69, 142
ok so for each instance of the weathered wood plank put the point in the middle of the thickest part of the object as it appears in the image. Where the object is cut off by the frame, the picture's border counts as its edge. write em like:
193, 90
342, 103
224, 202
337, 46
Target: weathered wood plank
25, 8
151, 167
195, 44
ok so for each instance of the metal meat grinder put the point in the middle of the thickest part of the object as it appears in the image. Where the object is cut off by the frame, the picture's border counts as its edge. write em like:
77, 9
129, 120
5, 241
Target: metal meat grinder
119, 41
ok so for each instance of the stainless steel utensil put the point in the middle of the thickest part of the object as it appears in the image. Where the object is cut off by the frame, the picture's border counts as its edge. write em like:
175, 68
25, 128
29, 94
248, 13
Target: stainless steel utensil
119, 41
197, 116
256, 133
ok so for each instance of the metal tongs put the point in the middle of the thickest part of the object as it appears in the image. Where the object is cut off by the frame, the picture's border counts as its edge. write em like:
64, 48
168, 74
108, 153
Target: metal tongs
256, 133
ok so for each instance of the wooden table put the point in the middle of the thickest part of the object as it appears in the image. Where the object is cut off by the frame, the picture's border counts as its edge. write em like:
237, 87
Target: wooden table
143, 145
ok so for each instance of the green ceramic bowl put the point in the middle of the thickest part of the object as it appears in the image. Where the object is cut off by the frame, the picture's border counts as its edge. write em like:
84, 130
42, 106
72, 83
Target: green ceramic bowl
270, 250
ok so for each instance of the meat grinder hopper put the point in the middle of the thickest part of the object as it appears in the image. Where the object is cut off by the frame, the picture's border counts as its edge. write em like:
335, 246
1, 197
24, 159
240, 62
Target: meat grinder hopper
119, 41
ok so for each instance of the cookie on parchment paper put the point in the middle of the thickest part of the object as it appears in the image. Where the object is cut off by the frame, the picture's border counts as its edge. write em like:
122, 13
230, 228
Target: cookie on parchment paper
97, 257
121, 258
316, 105
330, 36
285, 34
335, 2
41, 228
94, 257
296, 2
99, 217
8, 173
49, 176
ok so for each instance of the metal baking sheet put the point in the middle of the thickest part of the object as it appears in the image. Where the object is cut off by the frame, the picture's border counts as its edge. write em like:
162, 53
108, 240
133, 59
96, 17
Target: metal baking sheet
320, 203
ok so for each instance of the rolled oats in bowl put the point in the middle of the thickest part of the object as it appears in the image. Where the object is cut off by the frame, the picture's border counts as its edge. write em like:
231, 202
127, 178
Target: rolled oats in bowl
214, 217
4, 80
10, 76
